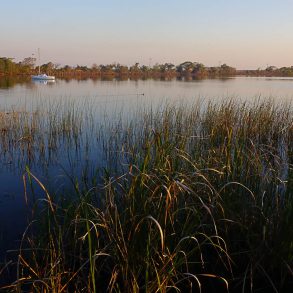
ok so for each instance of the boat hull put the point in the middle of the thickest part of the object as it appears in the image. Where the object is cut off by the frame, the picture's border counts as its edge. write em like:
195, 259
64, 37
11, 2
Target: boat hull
43, 77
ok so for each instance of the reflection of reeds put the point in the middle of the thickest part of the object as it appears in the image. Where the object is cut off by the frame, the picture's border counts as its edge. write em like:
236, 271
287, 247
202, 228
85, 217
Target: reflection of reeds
198, 198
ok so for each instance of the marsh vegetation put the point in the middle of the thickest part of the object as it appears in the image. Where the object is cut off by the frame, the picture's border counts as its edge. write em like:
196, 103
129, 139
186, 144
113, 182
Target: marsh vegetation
187, 199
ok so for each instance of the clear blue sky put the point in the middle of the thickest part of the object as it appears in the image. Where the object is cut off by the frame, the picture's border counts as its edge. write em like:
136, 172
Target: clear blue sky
242, 33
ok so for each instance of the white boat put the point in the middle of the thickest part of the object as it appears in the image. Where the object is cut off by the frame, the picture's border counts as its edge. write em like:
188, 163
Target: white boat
43, 76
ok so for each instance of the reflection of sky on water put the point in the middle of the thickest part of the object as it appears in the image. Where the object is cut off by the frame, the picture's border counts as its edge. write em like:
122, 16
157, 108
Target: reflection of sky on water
109, 100
127, 94
55, 171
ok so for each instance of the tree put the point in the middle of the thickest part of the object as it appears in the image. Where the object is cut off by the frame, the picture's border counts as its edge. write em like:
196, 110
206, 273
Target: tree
67, 68
7, 66
186, 67
167, 67
27, 65
135, 69
121, 69
29, 61
271, 68
48, 67
95, 67
226, 70
199, 70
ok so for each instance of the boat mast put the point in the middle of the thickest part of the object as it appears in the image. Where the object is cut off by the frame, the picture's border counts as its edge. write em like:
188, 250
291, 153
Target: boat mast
39, 57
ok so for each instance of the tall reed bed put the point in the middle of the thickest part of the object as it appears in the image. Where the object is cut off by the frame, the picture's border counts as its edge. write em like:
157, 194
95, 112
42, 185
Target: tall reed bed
193, 199
38, 135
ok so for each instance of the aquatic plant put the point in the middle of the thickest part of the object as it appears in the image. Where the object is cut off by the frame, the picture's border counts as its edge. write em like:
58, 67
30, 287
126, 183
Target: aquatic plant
191, 199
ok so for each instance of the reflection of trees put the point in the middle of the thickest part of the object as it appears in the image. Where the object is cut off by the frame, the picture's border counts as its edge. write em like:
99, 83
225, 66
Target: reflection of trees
6, 82
9, 82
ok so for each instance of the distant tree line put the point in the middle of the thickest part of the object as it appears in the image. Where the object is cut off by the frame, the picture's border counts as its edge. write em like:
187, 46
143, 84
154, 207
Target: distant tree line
9, 67
186, 69
268, 71
115, 70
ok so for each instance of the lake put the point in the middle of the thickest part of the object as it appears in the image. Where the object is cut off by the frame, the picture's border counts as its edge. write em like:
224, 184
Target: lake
128, 93
107, 101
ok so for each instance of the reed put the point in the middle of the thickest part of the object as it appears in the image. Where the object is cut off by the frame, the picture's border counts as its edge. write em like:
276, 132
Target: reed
191, 199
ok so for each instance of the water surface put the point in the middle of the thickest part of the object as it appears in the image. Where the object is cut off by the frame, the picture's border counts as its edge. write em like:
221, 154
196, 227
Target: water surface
108, 101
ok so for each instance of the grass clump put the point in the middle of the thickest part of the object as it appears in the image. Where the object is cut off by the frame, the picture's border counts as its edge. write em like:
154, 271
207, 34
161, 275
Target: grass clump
201, 201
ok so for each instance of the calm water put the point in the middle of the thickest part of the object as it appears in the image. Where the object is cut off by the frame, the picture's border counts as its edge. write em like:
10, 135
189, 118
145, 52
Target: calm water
128, 93
106, 99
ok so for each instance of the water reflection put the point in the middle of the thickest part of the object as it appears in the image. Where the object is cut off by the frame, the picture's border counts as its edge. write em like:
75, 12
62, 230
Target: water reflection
45, 82
8, 82
107, 99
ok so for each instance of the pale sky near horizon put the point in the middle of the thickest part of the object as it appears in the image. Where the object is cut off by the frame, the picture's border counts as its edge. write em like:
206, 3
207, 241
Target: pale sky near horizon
244, 34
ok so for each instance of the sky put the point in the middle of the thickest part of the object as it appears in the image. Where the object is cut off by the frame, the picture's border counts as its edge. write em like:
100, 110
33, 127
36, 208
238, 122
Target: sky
246, 34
